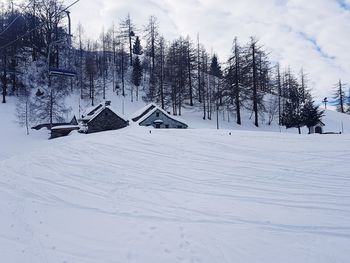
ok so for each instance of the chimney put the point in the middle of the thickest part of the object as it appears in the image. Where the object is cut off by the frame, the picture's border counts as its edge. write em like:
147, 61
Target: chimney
108, 103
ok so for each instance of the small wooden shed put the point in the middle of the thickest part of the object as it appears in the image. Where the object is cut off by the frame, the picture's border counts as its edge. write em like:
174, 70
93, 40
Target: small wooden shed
102, 118
317, 128
152, 115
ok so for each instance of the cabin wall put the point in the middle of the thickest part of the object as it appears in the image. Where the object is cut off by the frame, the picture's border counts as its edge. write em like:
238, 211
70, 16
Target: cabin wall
105, 121
167, 121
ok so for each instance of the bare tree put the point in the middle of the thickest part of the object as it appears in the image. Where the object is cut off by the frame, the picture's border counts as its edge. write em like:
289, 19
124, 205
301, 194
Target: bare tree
127, 29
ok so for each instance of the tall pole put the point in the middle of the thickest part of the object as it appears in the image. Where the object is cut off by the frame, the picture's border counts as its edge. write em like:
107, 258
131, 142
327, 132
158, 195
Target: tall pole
69, 23
325, 101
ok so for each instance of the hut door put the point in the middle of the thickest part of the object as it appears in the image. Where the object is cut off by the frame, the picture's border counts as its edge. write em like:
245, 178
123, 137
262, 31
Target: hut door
318, 129
157, 125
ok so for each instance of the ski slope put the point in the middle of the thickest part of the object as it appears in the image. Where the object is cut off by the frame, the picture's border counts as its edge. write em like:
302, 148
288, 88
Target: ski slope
196, 195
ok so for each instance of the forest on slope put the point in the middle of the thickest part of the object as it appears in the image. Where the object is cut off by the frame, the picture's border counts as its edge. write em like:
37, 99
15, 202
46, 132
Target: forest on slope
42, 63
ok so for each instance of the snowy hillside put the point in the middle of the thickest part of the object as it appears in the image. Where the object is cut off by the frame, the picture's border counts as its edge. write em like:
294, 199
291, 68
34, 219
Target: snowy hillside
14, 140
196, 195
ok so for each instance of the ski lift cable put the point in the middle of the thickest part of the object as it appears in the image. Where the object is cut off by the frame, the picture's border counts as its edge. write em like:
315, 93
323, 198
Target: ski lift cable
38, 26
13, 21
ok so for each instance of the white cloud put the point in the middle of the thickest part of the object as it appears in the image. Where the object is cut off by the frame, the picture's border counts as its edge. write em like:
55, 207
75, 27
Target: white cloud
299, 33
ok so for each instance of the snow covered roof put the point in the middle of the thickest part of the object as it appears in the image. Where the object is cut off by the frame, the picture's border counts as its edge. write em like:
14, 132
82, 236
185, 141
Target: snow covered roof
92, 112
148, 110
137, 115
65, 127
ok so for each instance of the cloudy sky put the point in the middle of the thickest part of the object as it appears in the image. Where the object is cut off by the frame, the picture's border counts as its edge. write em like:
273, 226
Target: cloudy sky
300, 33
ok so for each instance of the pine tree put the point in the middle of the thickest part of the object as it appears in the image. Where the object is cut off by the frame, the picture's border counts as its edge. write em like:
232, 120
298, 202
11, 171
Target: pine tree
136, 76
291, 117
137, 49
311, 115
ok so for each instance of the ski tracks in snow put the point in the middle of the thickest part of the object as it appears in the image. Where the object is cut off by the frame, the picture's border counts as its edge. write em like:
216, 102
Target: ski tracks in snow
179, 196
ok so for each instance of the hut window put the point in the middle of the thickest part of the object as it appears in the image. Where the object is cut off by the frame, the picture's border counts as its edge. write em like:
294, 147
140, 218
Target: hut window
167, 126
157, 114
179, 126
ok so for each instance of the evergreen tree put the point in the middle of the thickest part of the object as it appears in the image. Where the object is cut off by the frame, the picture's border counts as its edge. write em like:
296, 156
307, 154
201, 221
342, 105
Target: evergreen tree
290, 117
137, 49
136, 76
215, 68
311, 115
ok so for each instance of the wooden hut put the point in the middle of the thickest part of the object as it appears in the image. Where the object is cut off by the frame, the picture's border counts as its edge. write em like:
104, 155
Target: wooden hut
318, 128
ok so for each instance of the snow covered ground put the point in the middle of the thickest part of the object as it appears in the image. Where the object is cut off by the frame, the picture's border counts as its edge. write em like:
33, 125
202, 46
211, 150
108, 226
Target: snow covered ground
196, 195
13, 138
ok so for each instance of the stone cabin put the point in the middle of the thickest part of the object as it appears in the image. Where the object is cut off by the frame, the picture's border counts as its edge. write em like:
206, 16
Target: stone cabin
102, 118
152, 115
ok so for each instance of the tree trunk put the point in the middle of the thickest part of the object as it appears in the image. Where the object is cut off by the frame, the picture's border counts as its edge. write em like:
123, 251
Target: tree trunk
92, 91
4, 80
255, 93
130, 43
199, 74
162, 76
189, 74
122, 68
279, 95
237, 90
51, 102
